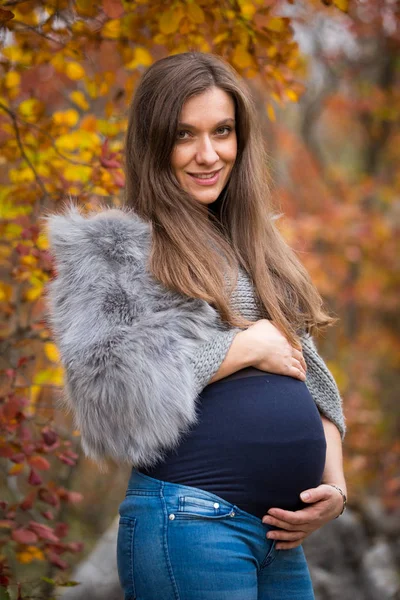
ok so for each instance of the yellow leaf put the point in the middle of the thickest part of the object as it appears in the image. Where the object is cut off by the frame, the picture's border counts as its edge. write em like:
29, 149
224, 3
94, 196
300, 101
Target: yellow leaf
160, 39
293, 97
248, 10
86, 8
51, 352
79, 99
24, 175
276, 24
112, 29
24, 557
13, 53
12, 79
42, 242
141, 57
50, 376
15, 469
68, 117
169, 21
28, 260
241, 58
33, 293
195, 13
30, 109
74, 70
5, 292
221, 37
77, 173
342, 4
271, 112
58, 62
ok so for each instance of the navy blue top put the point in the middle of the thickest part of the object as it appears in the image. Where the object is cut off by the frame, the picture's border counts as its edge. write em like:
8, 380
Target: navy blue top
258, 443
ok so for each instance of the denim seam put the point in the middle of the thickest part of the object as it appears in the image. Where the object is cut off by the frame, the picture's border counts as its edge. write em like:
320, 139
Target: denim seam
165, 543
271, 555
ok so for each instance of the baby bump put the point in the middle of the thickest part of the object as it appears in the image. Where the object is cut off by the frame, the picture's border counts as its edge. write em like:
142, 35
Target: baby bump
258, 443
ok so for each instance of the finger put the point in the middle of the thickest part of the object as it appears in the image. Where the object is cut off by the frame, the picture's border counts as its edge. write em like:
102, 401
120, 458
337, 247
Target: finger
296, 372
268, 520
288, 545
322, 492
299, 356
297, 517
290, 536
296, 363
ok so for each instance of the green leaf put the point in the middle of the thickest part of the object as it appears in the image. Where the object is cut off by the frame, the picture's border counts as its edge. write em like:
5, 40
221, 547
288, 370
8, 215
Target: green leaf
4, 595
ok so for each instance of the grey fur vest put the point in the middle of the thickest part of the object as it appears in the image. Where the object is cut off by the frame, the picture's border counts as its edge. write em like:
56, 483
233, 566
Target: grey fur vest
129, 347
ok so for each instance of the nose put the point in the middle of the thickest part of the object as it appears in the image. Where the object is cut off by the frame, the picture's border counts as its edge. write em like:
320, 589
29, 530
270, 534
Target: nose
205, 152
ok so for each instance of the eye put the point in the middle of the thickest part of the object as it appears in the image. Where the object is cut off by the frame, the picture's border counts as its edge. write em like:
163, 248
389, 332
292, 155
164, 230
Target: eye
181, 133
224, 130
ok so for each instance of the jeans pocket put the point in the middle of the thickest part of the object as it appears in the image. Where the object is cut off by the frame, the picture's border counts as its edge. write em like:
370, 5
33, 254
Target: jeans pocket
192, 507
125, 556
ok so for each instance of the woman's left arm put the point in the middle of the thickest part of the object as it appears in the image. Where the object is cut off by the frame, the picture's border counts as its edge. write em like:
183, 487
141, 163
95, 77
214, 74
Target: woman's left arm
326, 502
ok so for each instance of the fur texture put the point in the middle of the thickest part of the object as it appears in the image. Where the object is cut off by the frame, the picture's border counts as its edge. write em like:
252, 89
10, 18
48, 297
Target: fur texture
125, 341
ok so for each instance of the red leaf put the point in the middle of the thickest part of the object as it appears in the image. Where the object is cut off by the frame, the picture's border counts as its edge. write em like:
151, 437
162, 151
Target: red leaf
43, 531
57, 561
119, 179
12, 408
47, 496
110, 163
18, 458
27, 503
49, 436
48, 515
34, 478
74, 546
6, 451
39, 462
61, 529
67, 460
24, 536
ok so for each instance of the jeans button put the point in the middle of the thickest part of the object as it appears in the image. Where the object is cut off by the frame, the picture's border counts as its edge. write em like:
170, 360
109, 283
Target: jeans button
171, 517
216, 505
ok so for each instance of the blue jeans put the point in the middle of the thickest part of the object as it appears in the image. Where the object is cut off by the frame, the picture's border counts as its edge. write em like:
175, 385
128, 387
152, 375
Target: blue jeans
177, 542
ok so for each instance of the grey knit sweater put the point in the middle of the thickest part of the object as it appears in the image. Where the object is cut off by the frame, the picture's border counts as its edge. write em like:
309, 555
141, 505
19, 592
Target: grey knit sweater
319, 379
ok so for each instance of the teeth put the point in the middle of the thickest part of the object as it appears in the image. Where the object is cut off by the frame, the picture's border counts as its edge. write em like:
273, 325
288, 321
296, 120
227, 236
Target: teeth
204, 176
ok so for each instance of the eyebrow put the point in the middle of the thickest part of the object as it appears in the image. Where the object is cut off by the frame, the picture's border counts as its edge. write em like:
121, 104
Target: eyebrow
223, 122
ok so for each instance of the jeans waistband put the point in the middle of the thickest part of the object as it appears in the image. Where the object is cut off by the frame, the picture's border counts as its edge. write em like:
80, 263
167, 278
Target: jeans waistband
142, 484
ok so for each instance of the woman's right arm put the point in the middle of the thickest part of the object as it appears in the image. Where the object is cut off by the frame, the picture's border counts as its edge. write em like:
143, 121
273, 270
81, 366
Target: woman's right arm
264, 347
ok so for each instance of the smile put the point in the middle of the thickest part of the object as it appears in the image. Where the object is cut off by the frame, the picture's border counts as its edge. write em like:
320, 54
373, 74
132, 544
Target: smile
206, 178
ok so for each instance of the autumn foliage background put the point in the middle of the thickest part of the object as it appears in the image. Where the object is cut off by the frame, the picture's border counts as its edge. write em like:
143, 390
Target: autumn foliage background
329, 109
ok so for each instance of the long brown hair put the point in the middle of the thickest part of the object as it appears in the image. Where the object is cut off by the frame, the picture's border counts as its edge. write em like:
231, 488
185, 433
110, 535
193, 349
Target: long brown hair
194, 249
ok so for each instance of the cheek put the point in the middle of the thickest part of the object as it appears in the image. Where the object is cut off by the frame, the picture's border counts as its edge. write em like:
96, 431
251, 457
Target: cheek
179, 159
231, 151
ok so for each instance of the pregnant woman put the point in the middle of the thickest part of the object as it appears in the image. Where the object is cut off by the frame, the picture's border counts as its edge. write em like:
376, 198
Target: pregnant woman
184, 324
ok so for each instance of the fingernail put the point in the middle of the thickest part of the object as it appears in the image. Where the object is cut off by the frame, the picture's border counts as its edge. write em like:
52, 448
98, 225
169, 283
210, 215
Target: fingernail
305, 496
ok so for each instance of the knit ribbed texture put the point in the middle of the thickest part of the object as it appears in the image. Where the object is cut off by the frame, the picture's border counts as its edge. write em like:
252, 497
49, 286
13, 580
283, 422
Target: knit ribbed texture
319, 380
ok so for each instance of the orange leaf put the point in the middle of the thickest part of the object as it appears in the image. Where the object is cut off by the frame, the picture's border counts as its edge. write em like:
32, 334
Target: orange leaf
15, 469
113, 8
39, 462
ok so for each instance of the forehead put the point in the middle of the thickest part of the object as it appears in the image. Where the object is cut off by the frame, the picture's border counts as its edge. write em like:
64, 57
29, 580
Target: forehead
212, 105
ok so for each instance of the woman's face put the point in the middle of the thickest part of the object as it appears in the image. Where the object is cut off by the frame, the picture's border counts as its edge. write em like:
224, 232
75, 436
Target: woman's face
206, 146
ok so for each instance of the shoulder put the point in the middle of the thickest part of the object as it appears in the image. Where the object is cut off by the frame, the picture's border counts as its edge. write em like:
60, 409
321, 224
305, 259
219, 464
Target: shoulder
114, 233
